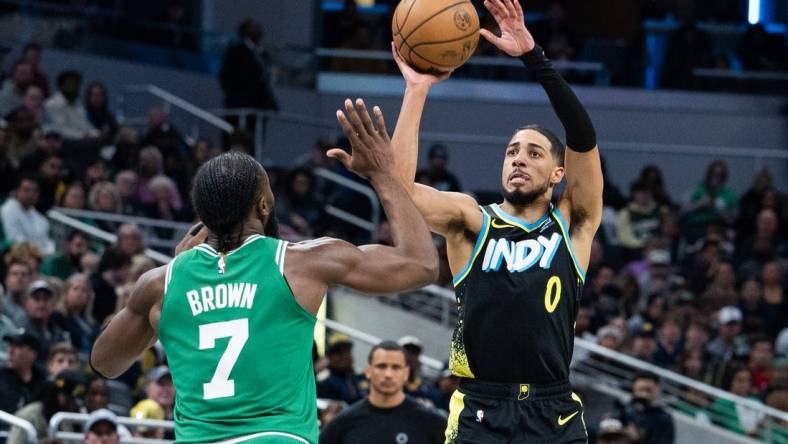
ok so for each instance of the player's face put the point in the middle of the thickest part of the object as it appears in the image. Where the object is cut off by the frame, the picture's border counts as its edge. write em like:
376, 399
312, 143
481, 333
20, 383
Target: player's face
387, 372
529, 169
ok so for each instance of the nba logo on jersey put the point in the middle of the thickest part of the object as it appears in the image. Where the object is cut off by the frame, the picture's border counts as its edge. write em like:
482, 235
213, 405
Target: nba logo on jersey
222, 265
479, 416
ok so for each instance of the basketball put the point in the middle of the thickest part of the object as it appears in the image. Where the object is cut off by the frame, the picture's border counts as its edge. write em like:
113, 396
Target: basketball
435, 35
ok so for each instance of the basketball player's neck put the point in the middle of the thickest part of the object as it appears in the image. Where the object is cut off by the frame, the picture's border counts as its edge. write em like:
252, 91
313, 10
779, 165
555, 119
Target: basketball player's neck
528, 212
249, 228
385, 401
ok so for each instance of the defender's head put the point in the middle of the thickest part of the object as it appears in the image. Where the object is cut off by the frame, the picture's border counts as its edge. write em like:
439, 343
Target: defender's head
533, 165
229, 191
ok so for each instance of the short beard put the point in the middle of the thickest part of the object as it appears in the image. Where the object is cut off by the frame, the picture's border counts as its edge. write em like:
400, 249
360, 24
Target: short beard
523, 198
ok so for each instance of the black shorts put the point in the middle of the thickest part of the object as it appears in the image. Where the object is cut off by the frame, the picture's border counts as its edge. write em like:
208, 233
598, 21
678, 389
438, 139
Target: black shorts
492, 413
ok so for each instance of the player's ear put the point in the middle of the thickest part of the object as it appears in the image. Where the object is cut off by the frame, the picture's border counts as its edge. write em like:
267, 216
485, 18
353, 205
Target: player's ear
558, 175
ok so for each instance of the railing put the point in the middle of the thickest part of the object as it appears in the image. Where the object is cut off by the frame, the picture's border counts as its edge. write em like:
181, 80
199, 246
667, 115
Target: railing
58, 215
61, 418
370, 225
609, 371
30, 431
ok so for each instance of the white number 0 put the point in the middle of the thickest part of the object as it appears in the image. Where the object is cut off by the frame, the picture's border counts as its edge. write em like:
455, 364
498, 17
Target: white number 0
221, 386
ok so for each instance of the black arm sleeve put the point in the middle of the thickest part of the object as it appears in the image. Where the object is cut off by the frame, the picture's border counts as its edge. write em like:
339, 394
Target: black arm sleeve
580, 134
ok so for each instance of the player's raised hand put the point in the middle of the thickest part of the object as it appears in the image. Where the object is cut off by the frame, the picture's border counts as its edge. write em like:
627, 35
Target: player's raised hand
515, 39
371, 151
195, 236
413, 77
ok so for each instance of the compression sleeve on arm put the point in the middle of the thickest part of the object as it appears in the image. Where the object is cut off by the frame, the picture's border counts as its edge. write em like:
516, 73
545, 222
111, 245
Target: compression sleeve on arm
580, 133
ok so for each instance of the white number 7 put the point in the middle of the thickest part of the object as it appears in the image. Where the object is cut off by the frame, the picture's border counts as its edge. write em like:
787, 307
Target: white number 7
221, 386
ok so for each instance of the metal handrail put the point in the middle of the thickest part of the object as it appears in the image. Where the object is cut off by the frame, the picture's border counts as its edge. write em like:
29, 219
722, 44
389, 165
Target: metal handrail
475, 60
367, 338
746, 75
70, 417
30, 431
368, 192
109, 238
177, 102
122, 218
680, 379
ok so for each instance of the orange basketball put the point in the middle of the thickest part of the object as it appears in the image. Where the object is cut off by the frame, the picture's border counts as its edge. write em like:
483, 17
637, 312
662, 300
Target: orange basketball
435, 35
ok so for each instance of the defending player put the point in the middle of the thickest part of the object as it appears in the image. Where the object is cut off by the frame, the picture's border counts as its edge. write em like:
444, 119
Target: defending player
519, 266
236, 313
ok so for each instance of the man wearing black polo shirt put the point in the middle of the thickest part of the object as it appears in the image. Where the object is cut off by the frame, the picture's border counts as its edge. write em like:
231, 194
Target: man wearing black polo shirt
20, 380
387, 415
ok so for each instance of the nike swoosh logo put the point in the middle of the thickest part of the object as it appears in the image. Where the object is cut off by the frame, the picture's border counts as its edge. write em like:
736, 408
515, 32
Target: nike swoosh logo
562, 420
497, 225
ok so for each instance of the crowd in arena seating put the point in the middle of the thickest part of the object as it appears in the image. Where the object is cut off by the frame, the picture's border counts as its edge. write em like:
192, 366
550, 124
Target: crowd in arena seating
695, 284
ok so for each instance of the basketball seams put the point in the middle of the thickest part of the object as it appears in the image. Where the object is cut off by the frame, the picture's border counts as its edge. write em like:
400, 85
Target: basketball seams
412, 50
427, 19
405, 20
445, 41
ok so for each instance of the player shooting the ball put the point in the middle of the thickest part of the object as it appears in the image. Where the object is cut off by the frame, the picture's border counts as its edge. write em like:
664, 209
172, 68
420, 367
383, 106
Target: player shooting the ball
518, 266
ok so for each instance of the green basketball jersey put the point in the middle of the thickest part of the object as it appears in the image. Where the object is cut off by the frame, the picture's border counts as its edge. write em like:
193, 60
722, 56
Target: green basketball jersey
239, 346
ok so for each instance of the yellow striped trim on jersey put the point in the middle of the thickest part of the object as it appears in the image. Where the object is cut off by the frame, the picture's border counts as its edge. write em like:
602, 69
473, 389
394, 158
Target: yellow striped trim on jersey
516, 221
480, 240
565, 230
456, 405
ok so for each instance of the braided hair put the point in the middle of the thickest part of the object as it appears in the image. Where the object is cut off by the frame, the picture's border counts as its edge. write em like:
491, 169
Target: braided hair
225, 189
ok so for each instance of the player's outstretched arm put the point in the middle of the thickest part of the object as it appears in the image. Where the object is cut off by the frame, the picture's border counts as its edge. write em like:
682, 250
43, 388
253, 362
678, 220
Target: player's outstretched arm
412, 261
582, 201
130, 332
443, 211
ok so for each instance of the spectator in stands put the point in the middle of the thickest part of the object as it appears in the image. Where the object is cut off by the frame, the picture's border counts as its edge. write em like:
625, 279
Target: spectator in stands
98, 112
611, 431
721, 291
95, 172
8, 171
167, 203
652, 314
339, 382
750, 202
644, 343
737, 417
555, 33
445, 387
299, 207
245, 75
712, 201
20, 379
130, 240
31, 54
48, 145
34, 101
437, 172
151, 164
644, 414
729, 345
148, 409
140, 264
163, 135
62, 356
766, 243
40, 303
74, 197
60, 395
160, 389
775, 298
610, 337
688, 48
23, 132
97, 396
104, 198
67, 262
761, 364
101, 428
669, 345
387, 415
112, 272
50, 181
692, 364
638, 222
126, 182
127, 149
13, 89
752, 306
416, 387
21, 221
17, 280
74, 312
26, 252
761, 51
65, 111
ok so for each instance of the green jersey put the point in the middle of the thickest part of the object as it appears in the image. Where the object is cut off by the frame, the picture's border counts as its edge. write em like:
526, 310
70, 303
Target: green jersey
239, 347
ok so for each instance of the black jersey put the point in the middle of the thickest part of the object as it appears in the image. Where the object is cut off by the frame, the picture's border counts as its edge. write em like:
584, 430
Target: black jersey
363, 423
517, 299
